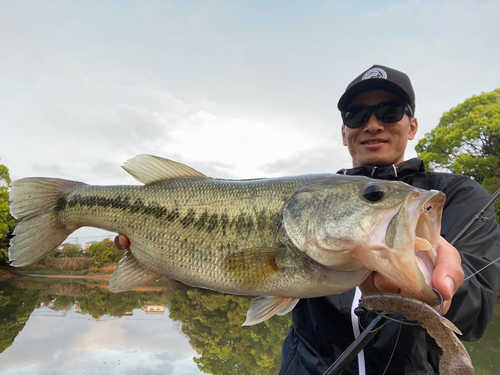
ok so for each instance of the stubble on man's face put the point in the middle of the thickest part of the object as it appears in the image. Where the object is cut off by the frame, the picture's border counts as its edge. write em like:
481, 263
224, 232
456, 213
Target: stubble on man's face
378, 143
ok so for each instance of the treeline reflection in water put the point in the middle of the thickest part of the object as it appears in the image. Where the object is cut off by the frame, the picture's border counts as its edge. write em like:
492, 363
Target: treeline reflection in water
144, 323
77, 326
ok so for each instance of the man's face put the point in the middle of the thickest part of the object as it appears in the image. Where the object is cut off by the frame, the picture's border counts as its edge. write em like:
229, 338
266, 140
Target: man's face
378, 143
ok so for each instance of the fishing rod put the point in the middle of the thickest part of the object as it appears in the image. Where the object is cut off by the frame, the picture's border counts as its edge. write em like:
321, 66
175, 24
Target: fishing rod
372, 329
476, 217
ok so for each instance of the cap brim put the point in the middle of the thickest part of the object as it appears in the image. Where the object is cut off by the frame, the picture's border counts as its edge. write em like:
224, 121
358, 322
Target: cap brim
371, 84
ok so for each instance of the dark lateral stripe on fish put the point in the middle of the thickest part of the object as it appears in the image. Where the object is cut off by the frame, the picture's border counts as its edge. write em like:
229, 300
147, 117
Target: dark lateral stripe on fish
242, 223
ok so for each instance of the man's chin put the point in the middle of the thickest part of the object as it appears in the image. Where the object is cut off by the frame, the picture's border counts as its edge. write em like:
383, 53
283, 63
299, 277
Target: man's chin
374, 160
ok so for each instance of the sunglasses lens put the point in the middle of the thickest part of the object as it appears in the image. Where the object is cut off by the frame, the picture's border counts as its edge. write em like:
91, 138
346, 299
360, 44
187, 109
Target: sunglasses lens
356, 117
385, 112
390, 112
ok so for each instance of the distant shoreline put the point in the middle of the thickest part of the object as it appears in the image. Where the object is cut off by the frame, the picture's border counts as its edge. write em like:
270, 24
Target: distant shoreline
7, 274
92, 277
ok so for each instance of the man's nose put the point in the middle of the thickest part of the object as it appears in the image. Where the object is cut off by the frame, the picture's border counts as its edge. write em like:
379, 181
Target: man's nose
373, 124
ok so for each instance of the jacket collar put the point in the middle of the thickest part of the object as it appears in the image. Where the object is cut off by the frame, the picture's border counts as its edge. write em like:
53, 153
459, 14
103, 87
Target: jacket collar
393, 172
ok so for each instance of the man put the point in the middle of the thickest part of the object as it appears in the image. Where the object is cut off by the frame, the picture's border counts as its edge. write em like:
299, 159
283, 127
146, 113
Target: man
378, 112
378, 120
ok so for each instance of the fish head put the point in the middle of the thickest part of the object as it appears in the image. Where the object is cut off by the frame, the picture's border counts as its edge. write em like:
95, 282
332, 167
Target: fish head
347, 223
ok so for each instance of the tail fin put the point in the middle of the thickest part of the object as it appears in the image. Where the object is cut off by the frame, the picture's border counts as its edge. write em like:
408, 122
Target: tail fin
34, 201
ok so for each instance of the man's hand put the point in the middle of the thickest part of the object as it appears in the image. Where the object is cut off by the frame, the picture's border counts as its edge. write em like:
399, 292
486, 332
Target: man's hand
447, 276
122, 242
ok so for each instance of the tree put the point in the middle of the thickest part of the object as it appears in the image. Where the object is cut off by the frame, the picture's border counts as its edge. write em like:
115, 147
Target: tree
73, 251
212, 321
7, 222
467, 141
104, 251
16, 306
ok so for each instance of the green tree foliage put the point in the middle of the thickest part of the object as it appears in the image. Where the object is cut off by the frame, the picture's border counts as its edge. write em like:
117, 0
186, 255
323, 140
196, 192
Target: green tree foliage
99, 302
16, 306
7, 222
104, 252
467, 141
212, 321
64, 302
73, 251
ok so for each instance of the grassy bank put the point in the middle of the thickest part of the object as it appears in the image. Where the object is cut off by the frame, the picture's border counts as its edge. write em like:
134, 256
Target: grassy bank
55, 271
67, 266
7, 274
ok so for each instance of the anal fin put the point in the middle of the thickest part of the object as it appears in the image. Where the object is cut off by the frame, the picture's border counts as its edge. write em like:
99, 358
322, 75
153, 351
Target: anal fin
130, 274
265, 307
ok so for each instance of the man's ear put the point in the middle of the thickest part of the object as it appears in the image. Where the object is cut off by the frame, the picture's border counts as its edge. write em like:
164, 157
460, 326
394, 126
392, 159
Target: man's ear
412, 131
344, 139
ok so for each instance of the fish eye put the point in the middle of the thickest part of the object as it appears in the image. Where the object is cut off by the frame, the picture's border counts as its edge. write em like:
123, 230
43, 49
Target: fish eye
374, 193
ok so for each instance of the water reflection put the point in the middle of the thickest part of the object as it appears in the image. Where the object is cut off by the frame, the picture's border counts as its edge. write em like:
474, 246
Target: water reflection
80, 327
49, 326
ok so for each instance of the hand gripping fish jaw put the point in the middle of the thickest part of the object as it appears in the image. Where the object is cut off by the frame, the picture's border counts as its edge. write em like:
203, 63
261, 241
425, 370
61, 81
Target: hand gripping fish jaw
407, 254
385, 226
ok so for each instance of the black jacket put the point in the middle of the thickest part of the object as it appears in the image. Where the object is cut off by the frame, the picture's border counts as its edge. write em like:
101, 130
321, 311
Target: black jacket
322, 327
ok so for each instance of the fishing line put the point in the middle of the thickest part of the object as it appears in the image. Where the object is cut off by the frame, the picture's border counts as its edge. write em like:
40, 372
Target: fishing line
358, 344
406, 321
399, 321
453, 242
393, 351
484, 220
489, 264
476, 217
379, 314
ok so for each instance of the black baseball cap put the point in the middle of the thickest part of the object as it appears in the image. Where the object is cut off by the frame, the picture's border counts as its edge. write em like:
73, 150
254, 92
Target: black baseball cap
380, 77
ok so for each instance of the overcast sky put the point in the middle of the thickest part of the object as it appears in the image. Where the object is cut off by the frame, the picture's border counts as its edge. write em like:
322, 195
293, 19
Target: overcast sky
235, 89
57, 342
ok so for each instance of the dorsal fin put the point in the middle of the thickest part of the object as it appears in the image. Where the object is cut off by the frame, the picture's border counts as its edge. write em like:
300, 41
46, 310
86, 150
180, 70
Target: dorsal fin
148, 169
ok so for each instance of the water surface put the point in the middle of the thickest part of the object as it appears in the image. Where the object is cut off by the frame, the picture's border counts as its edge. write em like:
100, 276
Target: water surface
49, 326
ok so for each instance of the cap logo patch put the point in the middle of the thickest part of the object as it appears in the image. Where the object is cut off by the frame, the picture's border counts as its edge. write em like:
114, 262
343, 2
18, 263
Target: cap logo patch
375, 73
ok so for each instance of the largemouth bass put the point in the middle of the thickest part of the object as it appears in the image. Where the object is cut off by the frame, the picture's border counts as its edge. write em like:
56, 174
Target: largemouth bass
279, 238
455, 359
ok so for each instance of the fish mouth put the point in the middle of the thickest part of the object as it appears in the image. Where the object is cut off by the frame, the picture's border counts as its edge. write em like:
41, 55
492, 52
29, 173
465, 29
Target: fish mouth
407, 255
427, 234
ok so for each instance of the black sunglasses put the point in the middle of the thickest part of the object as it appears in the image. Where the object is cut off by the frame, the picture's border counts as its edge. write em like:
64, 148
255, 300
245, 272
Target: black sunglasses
385, 112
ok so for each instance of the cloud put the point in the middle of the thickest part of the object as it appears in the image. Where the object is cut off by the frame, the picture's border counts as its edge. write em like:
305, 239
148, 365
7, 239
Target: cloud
84, 88
324, 159
72, 344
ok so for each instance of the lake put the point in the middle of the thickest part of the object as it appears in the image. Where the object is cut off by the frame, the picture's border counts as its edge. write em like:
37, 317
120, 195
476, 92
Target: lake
50, 326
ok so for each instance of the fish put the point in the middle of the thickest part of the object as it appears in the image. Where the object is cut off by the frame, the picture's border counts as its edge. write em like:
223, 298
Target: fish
455, 359
281, 239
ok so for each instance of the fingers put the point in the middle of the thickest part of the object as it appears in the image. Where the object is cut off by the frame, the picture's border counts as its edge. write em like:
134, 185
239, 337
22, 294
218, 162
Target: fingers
122, 242
448, 274
375, 283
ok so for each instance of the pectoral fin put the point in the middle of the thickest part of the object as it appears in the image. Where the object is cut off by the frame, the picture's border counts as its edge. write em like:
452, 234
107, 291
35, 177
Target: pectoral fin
130, 274
252, 267
264, 307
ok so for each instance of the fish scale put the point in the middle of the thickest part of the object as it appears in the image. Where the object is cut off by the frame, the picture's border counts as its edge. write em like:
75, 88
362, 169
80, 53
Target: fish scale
280, 238
235, 208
